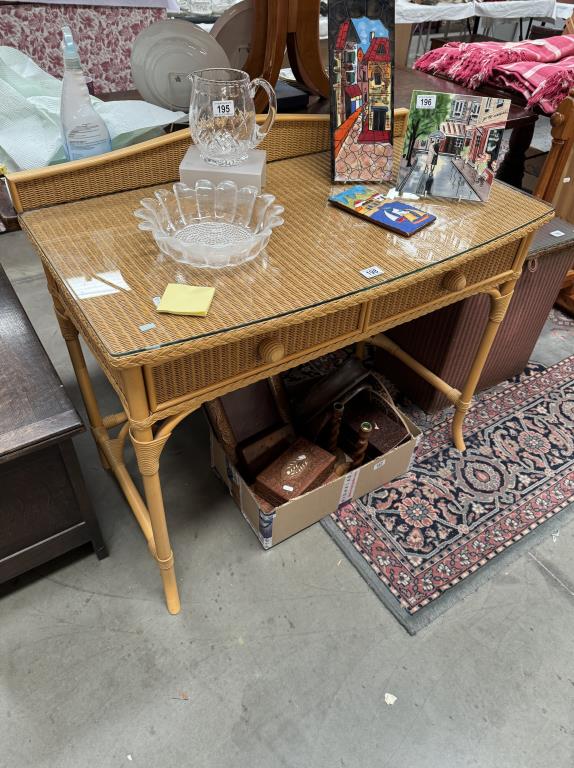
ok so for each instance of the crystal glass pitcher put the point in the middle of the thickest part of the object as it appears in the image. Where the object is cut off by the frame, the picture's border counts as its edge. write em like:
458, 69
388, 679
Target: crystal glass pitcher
222, 114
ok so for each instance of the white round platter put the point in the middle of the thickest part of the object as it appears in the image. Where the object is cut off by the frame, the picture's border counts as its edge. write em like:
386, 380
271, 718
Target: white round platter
164, 55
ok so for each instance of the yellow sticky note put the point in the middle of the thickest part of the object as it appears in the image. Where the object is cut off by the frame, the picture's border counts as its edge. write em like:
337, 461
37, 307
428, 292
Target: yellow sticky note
179, 299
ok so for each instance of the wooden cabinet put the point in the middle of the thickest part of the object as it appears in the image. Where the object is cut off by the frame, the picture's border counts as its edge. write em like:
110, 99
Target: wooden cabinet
44, 506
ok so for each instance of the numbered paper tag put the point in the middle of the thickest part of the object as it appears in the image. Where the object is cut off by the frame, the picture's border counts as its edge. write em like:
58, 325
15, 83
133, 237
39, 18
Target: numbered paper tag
223, 108
349, 485
426, 101
371, 272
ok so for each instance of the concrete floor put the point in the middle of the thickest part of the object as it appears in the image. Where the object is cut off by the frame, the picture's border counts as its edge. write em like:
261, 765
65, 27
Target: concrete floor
279, 658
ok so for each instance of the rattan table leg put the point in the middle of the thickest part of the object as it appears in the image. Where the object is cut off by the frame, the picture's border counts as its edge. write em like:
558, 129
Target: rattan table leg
383, 342
499, 301
113, 448
148, 451
110, 449
70, 335
144, 449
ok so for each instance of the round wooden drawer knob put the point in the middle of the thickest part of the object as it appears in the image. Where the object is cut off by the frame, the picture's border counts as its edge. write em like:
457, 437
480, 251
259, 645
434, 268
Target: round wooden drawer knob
271, 351
454, 281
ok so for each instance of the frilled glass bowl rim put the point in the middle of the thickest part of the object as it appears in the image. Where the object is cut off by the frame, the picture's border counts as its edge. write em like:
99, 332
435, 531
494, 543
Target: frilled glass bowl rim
149, 221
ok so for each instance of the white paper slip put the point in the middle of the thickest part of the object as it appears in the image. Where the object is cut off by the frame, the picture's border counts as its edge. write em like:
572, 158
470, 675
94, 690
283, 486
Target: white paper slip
114, 278
101, 284
371, 272
223, 108
426, 101
558, 233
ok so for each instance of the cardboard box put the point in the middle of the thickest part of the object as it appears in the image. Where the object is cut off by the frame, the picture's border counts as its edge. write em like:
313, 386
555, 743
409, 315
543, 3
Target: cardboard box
297, 514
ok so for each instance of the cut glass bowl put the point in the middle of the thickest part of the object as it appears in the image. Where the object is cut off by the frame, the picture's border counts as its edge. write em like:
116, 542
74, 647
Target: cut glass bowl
208, 225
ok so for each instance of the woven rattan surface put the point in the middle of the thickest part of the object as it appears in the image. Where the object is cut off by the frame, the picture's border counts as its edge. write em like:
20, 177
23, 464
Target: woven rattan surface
476, 271
157, 161
314, 259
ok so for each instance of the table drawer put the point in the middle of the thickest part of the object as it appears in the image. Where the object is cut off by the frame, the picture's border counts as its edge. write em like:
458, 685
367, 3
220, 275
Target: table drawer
459, 280
203, 370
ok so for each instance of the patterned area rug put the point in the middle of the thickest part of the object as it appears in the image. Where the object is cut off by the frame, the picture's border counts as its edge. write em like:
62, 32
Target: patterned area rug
419, 537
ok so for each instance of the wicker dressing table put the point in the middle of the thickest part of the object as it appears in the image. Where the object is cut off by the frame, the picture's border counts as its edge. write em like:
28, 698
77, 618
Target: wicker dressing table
306, 297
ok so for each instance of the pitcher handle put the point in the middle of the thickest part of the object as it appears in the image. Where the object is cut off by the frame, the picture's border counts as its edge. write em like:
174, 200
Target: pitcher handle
262, 131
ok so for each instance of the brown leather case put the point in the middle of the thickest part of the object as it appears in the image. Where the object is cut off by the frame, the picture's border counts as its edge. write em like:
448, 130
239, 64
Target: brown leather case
251, 410
245, 415
303, 467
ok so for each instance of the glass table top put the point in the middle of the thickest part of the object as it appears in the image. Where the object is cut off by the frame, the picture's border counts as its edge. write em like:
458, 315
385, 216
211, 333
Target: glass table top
112, 271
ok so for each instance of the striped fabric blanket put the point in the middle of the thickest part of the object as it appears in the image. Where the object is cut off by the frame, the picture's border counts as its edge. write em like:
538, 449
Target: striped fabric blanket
542, 85
540, 70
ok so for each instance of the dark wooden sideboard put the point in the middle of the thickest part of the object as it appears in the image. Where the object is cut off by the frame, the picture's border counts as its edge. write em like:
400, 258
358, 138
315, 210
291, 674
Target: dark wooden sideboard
44, 505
